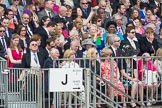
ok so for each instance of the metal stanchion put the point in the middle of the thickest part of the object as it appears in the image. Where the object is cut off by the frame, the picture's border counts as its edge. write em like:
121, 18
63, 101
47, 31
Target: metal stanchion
112, 79
87, 86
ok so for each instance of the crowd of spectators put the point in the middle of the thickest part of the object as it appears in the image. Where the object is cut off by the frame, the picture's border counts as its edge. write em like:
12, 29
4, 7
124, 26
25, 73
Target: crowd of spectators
34, 33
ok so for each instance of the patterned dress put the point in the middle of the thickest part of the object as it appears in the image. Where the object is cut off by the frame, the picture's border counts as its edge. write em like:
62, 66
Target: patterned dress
105, 71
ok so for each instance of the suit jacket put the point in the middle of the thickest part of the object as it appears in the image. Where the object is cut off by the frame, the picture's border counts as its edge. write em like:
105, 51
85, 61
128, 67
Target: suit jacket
113, 53
44, 36
2, 50
10, 32
126, 42
57, 18
79, 54
46, 54
48, 64
85, 15
146, 46
43, 13
19, 13
26, 60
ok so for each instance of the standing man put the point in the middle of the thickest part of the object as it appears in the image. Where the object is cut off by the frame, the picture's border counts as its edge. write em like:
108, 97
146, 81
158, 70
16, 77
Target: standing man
48, 10
20, 8
4, 42
34, 60
51, 62
120, 11
129, 40
114, 41
85, 7
9, 31
25, 21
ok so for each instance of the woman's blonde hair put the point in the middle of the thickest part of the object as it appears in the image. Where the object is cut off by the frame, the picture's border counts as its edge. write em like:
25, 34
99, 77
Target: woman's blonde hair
78, 20
68, 53
106, 52
90, 52
15, 36
159, 52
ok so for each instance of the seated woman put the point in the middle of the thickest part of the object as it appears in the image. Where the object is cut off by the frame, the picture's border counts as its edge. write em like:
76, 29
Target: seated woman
106, 72
94, 66
69, 54
129, 75
147, 73
70, 63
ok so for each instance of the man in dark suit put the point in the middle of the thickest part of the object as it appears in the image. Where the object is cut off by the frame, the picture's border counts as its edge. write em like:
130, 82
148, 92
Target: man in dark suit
25, 21
62, 17
49, 45
9, 31
149, 43
85, 7
48, 10
46, 33
75, 45
4, 42
32, 59
129, 40
29, 61
114, 46
51, 62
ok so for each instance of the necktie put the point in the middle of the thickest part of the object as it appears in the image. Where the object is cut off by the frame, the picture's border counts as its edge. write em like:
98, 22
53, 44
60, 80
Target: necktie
35, 58
117, 53
120, 31
133, 44
3, 44
49, 14
85, 11
28, 31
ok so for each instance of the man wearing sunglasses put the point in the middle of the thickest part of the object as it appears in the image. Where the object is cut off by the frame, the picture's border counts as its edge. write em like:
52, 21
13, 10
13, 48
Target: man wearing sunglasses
33, 58
85, 7
4, 42
129, 40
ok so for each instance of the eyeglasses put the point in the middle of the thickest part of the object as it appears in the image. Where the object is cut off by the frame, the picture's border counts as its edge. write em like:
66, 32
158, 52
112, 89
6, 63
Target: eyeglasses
34, 44
132, 32
2, 31
84, 3
23, 30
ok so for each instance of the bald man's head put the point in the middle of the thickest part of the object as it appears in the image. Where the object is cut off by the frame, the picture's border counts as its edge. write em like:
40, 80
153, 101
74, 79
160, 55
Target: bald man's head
63, 11
54, 53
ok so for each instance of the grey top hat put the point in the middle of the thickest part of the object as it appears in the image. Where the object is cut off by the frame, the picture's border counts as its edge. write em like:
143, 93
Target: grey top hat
88, 41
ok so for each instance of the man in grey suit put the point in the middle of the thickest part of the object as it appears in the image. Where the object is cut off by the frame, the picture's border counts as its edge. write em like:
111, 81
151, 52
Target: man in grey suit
47, 11
20, 9
120, 26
